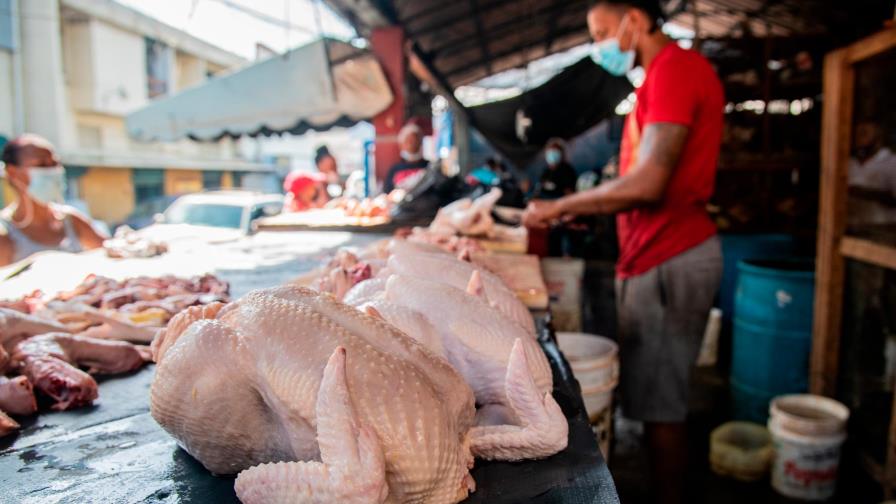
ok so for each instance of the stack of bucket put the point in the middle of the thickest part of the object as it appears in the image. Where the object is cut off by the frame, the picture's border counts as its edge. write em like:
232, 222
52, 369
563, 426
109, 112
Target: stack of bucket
772, 333
595, 363
807, 432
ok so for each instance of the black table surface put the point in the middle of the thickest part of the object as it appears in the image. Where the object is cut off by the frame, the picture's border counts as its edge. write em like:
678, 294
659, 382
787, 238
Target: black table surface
115, 452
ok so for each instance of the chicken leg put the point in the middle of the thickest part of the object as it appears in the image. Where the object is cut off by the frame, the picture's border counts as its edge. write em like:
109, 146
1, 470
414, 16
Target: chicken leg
352, 467
543, 428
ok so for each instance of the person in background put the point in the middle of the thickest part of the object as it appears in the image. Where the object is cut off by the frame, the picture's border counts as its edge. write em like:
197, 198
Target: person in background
326, 165
305, 190
37, 220
559, 178
405, 173
670, 260
872, 178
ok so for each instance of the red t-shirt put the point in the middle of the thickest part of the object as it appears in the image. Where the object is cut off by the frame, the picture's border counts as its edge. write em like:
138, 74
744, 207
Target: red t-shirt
682, 88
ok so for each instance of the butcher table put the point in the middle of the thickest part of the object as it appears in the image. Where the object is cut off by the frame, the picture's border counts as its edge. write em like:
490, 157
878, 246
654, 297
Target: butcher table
115, 452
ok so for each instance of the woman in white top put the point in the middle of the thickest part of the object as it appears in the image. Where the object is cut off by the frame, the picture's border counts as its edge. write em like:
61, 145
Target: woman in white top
37, 220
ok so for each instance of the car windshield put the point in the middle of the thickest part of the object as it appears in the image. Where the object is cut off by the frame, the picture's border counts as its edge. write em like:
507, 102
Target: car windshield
205, 214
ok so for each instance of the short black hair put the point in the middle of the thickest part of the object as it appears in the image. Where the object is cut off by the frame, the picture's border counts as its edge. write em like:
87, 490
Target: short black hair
321, 153
11, 152
652, 8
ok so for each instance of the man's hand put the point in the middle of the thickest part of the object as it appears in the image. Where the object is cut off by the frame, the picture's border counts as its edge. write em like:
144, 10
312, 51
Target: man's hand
540, 214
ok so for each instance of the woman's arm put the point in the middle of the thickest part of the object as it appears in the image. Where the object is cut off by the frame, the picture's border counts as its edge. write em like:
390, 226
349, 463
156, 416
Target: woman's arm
89, 236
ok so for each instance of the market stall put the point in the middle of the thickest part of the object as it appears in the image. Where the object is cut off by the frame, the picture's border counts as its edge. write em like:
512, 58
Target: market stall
115, 448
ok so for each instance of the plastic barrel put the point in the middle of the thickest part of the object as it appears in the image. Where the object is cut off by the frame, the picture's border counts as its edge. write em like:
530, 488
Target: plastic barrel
738, 247
772, 333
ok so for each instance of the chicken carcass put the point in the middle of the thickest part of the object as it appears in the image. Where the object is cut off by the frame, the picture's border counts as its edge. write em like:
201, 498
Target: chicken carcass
347, 408
49, 362
449, 270
466, 216
504, 365
408, 321
364, 291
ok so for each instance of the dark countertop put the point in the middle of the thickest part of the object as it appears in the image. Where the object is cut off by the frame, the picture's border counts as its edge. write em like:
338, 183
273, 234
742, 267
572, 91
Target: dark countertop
115, 452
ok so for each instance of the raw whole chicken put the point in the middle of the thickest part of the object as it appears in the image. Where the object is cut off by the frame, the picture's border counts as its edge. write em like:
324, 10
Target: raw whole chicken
449, 270
501, 361
408, 321
335, 405
467, 217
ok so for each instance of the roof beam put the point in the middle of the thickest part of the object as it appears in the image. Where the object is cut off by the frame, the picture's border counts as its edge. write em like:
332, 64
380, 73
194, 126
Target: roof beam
480, 34
509, 52
510, 26
552, 25
441, 23
437, 80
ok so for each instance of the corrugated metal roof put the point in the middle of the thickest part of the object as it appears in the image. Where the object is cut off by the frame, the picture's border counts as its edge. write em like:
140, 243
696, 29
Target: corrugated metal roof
466, 40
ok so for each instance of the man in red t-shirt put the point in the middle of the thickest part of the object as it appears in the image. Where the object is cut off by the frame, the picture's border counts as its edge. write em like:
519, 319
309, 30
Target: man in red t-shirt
670, 260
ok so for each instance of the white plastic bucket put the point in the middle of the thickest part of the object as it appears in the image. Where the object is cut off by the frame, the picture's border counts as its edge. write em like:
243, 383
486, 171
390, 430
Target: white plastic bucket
595, 363
808, 432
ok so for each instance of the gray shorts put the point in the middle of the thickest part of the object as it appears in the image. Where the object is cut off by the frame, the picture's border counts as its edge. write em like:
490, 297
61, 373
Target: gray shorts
662, 315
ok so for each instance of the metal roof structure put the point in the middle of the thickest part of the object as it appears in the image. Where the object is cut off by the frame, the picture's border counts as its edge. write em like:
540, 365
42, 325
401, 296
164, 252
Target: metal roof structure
462, 41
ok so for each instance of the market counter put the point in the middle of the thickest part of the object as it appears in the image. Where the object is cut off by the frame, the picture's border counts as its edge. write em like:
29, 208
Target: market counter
115, 452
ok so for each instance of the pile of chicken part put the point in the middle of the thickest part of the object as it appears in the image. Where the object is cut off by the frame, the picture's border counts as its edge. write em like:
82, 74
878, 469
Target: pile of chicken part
102, 326
383, 384
457, 226
378, 206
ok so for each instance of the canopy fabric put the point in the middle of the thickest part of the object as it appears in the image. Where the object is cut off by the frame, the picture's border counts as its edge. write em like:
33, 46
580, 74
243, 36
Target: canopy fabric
293, 92
574, 100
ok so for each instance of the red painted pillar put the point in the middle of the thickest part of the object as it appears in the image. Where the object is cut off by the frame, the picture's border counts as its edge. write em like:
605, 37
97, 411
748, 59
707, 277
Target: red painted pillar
387, 45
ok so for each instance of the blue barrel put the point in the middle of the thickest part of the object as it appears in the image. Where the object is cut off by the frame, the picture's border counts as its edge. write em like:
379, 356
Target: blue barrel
772, 334
738, 247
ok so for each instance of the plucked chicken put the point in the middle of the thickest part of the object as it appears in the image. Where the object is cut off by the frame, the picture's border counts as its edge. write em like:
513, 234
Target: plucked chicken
446, 269
501, 361
335, 405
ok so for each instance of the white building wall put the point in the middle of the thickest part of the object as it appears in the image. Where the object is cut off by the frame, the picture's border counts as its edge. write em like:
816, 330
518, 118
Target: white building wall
45, 103
119, 69
7, 104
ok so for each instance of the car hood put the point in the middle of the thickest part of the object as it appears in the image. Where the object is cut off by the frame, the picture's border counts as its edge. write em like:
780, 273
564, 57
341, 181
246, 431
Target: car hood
173, 233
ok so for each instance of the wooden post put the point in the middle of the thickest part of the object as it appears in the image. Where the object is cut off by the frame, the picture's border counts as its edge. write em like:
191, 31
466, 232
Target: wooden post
388, 46
835, 142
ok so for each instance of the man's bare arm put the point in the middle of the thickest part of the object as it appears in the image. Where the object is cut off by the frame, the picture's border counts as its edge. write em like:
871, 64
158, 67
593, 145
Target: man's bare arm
644, 185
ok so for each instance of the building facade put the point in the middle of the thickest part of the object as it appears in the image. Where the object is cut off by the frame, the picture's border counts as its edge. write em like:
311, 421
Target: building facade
71, 70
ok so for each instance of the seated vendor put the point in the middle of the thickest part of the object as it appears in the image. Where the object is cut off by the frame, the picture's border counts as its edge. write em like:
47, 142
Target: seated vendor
37, 220
326, 165
304, 191
405, 173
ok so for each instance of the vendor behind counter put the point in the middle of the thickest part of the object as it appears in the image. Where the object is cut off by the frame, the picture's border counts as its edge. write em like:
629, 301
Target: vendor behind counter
37, 220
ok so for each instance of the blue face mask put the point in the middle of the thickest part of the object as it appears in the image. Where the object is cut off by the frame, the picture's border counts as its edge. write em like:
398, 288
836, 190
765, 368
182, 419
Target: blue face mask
553, 156
608, 55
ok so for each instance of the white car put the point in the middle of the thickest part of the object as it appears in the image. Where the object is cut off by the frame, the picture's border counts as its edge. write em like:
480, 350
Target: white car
213, 216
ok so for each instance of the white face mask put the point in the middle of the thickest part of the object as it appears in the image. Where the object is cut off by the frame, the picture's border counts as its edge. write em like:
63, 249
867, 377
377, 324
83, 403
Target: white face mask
47, 184
411, 156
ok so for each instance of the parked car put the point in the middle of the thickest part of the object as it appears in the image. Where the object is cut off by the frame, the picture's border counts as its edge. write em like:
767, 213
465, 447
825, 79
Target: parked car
145, 211
214, 215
